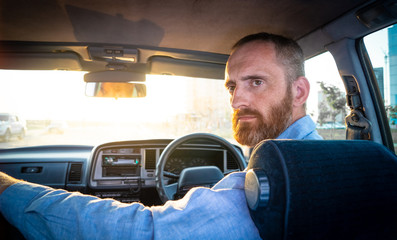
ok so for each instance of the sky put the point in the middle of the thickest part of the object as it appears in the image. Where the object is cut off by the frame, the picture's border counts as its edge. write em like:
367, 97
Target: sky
377, 47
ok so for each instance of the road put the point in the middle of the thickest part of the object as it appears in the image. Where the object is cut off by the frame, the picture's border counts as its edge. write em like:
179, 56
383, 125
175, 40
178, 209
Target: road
72, 136
84, 136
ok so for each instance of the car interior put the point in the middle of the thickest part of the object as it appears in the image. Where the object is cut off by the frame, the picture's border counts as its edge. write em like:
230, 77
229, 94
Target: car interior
126, 100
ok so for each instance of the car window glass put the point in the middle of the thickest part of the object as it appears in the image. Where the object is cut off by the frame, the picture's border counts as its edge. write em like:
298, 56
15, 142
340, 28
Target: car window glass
382, 50
326, 89
56, 111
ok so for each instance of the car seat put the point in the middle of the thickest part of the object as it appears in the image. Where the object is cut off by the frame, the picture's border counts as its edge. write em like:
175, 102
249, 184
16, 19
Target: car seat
310, 189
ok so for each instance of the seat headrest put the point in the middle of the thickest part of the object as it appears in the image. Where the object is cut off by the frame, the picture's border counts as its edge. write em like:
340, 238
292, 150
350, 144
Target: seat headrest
304, 189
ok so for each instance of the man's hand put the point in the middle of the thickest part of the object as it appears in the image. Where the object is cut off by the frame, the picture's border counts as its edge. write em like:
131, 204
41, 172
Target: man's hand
6, 181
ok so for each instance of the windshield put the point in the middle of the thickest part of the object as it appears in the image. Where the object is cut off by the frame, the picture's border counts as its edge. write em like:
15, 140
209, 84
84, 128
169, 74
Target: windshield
54, 109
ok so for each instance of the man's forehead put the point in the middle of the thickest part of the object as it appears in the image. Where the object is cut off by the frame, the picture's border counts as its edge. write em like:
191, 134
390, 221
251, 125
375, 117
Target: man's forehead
248, 54
254, 47
252, 52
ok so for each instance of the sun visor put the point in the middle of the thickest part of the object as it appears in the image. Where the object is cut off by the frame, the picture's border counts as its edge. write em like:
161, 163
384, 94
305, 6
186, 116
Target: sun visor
179, 67
40, 61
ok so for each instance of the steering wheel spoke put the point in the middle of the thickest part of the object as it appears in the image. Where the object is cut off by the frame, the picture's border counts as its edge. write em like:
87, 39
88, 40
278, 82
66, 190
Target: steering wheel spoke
171, 175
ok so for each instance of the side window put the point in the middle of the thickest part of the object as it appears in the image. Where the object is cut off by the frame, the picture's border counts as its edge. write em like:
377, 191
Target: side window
327, 100
382, 50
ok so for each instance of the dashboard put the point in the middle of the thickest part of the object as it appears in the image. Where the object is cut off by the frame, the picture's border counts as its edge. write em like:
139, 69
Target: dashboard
131, 165
124, 170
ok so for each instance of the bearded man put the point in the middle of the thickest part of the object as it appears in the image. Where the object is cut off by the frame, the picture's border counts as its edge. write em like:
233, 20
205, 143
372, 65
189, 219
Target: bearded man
268, 90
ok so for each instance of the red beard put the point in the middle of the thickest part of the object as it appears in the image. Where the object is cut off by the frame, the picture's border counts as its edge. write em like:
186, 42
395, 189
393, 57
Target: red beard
266, 127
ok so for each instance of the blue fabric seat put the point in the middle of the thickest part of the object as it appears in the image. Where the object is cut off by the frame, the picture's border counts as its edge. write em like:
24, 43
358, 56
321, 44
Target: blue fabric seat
324, 190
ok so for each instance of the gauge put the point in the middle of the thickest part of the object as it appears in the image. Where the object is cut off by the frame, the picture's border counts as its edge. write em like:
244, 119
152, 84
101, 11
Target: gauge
198, 162
175, 165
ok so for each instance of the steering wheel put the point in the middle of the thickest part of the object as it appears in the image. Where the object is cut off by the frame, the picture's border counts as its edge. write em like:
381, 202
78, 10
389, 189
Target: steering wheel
166, 192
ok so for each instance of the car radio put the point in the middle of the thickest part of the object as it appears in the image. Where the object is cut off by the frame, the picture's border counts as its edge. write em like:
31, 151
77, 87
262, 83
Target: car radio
121, 165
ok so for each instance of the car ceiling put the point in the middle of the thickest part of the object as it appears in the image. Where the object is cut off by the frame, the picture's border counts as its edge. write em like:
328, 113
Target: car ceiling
200, 25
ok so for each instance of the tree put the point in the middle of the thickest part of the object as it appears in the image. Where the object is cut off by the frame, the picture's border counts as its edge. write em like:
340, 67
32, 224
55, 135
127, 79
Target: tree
336, 101
324, 113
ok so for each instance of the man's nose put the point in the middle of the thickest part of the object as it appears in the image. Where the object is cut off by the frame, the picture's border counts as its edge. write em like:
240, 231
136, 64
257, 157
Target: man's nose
239, 98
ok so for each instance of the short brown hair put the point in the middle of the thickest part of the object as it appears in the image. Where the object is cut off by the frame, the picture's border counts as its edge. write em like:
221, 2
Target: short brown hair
288, 52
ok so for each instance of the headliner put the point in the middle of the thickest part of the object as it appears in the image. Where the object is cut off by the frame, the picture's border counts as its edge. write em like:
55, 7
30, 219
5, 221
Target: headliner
202, 25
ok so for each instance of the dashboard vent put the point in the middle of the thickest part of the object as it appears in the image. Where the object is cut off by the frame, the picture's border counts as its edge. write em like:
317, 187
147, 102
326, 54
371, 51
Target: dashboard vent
150, 159
75, 172
231, 162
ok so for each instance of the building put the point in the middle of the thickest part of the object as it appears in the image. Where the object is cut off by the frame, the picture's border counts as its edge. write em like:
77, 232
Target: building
392, 66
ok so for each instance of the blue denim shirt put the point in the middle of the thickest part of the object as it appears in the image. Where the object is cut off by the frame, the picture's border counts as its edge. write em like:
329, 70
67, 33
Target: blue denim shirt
221, 212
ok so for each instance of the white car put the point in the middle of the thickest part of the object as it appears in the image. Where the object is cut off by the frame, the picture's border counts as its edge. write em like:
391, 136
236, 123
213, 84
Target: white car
11, 125
57, 127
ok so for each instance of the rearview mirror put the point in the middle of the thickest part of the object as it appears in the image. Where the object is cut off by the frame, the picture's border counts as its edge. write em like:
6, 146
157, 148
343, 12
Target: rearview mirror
115, 89
115, 84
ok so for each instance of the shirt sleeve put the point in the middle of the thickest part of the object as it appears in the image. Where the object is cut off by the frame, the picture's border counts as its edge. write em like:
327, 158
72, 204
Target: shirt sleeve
41, 212
217, 213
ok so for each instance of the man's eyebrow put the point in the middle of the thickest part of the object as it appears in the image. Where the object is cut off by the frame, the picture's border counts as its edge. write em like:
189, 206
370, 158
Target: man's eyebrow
229, 82
254, 76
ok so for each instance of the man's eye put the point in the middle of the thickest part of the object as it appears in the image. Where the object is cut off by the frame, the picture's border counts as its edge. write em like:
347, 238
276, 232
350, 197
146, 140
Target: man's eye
231, 89
257, 82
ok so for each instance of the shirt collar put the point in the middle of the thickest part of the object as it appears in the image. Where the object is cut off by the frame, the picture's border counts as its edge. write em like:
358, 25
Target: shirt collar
300, 129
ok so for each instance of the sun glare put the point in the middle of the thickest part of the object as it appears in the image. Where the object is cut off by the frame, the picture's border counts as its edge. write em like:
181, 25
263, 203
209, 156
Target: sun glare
55, 95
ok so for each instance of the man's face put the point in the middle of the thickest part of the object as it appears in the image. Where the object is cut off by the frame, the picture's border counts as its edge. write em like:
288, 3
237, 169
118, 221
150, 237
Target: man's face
260, 96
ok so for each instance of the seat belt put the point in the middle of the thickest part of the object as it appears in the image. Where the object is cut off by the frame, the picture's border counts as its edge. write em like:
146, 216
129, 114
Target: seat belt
357, 125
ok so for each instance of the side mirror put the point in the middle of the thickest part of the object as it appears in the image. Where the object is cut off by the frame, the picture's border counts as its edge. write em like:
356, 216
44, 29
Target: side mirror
115, 84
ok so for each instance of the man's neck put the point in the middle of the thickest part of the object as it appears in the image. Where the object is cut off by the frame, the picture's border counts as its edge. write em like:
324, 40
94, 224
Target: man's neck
298, 114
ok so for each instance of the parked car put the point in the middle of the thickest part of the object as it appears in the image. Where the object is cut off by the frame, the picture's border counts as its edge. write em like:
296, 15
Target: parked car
57, 127
53, 54
11, 125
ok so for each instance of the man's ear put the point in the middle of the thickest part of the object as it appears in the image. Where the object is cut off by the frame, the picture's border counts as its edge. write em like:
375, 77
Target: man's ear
301, 89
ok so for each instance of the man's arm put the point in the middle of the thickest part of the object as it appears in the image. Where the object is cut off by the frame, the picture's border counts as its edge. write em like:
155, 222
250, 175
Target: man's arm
6, 181
41, 212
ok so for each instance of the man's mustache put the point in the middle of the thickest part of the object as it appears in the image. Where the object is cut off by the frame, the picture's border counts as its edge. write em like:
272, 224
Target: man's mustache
244, 112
